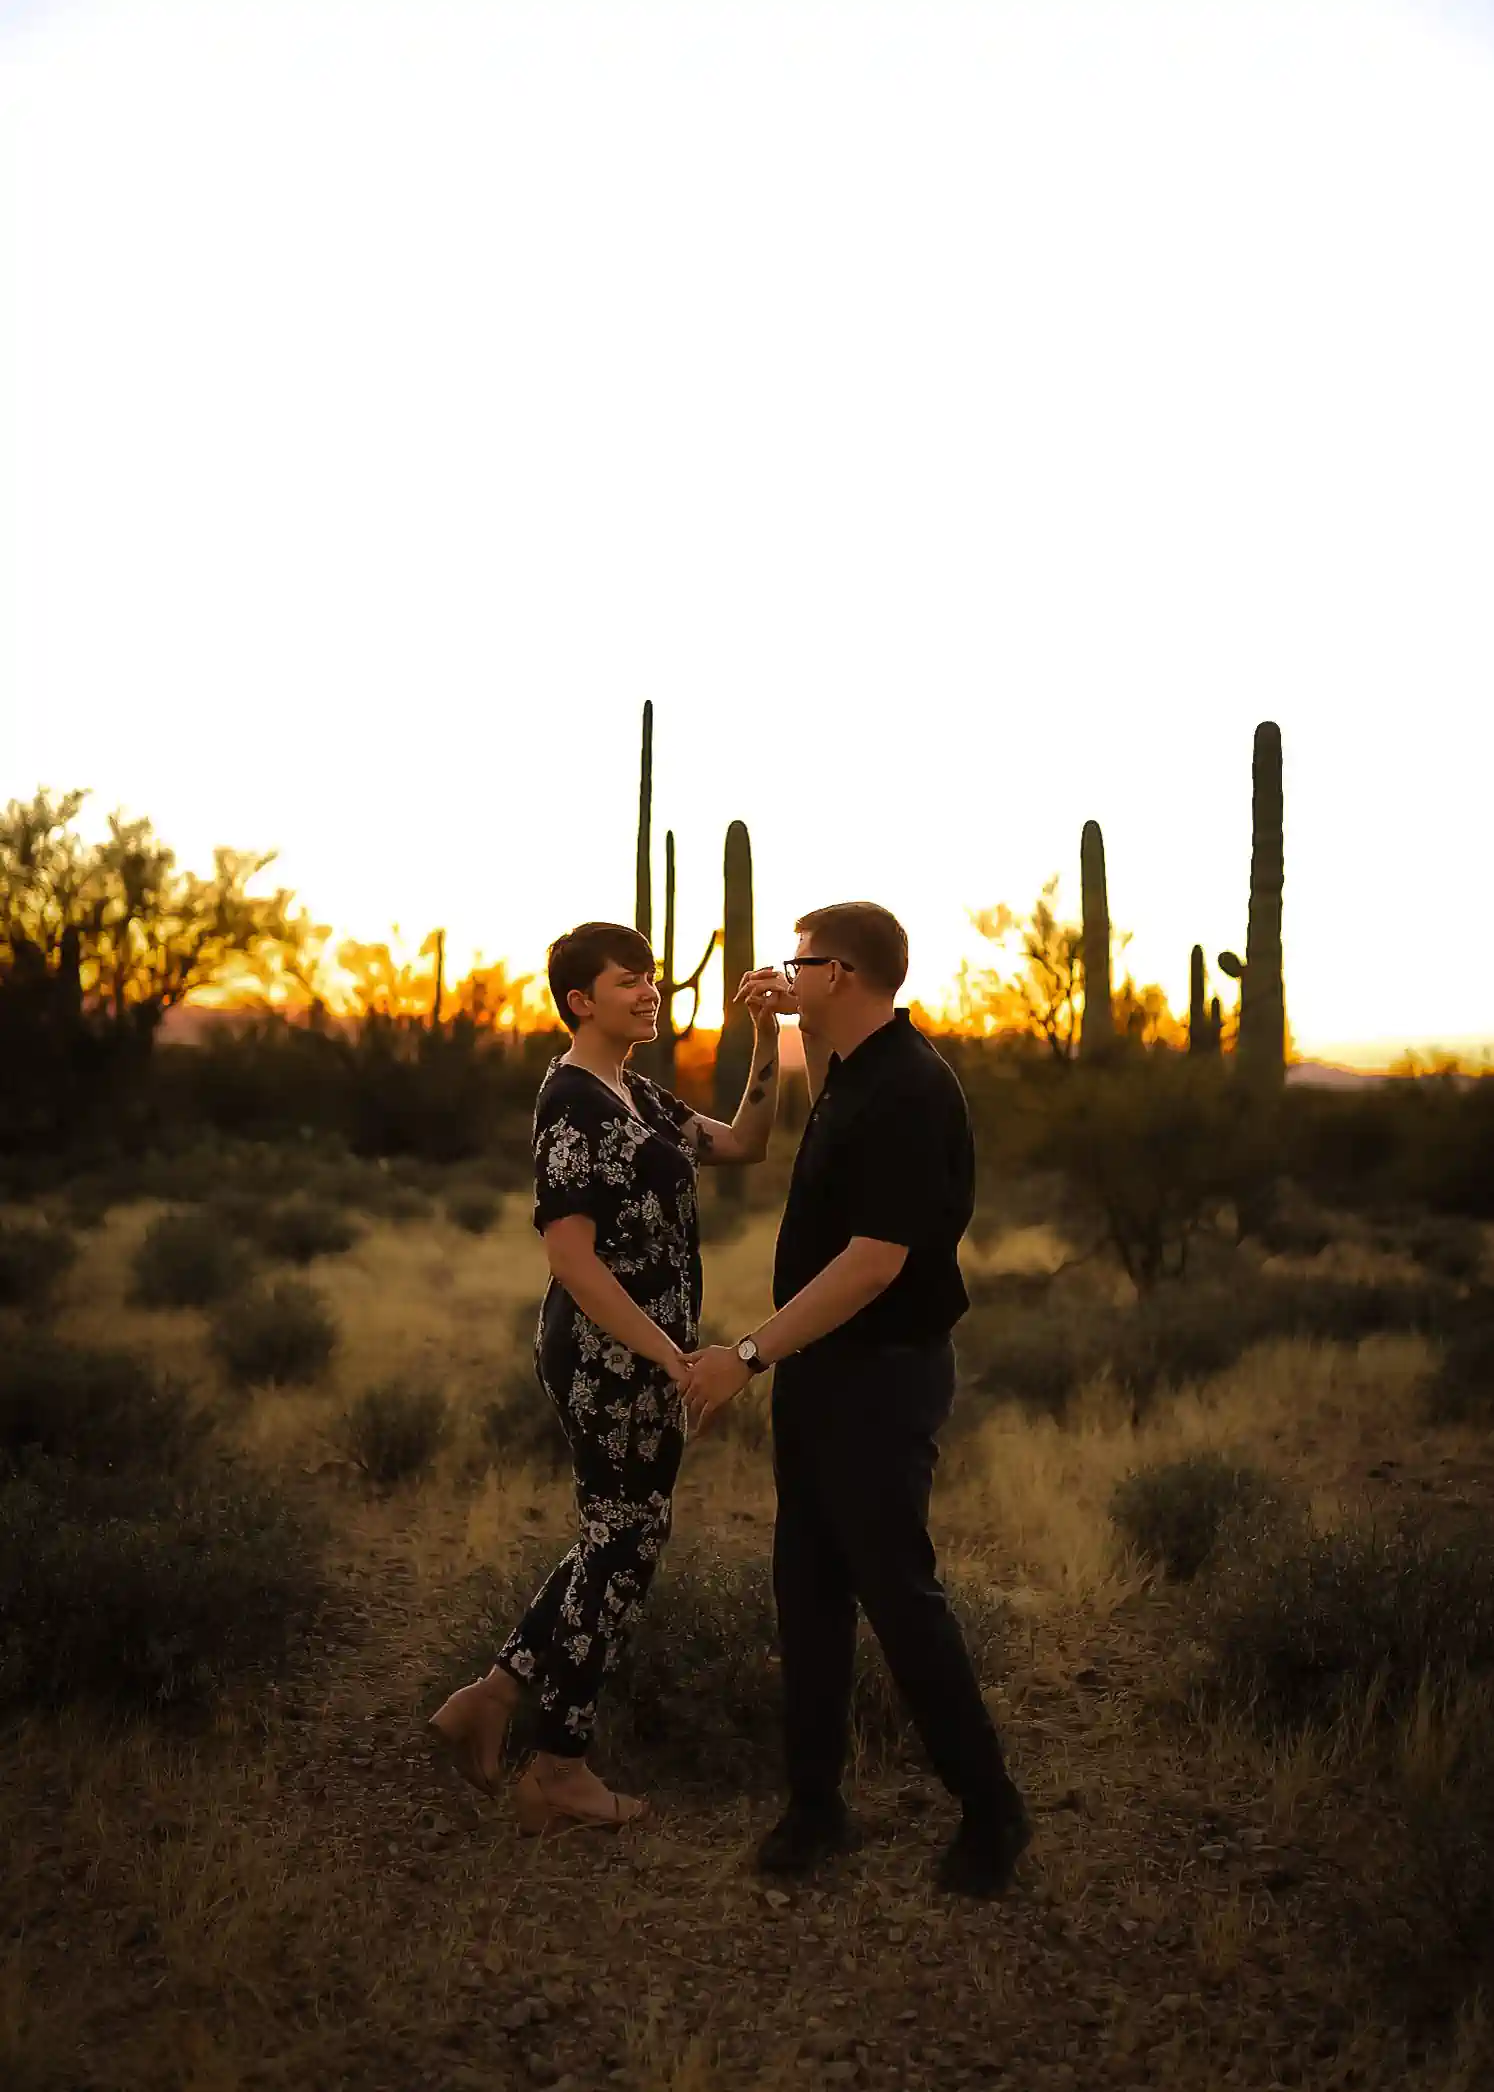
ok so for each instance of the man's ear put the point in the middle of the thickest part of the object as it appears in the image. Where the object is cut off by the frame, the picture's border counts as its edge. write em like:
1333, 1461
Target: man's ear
574, 1005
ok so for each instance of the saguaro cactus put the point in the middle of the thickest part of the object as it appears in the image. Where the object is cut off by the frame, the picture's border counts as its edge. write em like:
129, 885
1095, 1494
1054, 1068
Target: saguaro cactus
440, 987
658, 1059
734, 1047
1204, 1022
643, 904
1098, 1029
1262, 1037
670, 1035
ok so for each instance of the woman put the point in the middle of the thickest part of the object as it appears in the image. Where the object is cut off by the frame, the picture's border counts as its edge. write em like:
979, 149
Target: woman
615, 1160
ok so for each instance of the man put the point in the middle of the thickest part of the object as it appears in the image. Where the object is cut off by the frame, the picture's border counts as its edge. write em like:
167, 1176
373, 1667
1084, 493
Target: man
867, 1288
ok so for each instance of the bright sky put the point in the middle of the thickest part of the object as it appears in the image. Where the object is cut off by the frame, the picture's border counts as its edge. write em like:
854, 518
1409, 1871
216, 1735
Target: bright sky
959, 420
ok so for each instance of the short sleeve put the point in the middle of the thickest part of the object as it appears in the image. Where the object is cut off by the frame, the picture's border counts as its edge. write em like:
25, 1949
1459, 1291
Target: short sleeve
899, 1188
566, 1180
666, 1103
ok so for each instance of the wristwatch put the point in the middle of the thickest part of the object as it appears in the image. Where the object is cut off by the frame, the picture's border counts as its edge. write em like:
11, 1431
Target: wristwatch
747, 1353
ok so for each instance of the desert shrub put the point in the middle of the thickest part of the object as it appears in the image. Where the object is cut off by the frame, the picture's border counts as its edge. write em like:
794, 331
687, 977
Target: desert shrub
185, 1178
186, 1260
1425, 1142
1175, 1512
1156, 1145
238, 1209
416, 1173
138, 1594
1344, 1310
103, 1411
1190, 1331
280, 1333
1032, 1359
88, 1201
1023, 1340
696, 1696
394, 1431
349, 1181
1185, 1333
1462, 1388
33, 1262
520, 1425
473, 1209
1453, 1249
306, 1227
1306, 1626
1285, 1233
400, 1203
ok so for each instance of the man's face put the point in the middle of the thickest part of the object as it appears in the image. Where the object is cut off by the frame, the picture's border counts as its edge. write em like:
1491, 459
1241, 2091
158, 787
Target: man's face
812, 987
624, 1002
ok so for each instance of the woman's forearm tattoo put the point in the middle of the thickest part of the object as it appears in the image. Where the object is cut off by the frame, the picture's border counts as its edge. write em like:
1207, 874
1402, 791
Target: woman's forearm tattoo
757, 1093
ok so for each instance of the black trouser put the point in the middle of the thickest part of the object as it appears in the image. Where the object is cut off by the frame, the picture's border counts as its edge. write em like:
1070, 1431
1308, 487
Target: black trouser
854, 1452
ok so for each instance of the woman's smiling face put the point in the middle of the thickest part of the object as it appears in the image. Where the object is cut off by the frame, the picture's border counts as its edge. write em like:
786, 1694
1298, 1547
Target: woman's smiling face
624, 1003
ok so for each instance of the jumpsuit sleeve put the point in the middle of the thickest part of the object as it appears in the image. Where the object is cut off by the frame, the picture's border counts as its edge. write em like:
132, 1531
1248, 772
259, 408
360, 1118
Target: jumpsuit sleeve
567, 1130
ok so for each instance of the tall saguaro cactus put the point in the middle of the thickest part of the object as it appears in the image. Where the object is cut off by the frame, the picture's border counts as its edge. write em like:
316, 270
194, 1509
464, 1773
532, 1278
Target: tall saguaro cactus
1262, 1037
658, 1060
1204, 1022
734, 1047
1098, 1030
643, 905
440, 979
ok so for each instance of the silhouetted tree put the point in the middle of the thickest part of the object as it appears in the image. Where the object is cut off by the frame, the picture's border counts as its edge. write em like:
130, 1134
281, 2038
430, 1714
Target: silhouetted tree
98, 942
1042, 997
1156, 1145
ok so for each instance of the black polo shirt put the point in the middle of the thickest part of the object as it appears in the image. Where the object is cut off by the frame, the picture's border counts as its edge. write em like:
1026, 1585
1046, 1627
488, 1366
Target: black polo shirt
887, 1152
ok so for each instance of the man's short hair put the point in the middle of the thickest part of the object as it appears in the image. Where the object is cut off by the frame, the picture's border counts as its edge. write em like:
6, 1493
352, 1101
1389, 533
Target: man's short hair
576, 959
872, 939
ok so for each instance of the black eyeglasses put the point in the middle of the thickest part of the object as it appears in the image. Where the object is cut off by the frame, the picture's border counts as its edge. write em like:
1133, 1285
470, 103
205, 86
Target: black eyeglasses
791, 966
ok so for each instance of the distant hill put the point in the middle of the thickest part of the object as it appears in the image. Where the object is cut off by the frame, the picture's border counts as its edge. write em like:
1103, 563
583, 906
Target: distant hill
1323, 1075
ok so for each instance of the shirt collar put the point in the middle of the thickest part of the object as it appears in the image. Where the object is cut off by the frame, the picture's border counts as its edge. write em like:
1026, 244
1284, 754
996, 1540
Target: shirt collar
887, 1037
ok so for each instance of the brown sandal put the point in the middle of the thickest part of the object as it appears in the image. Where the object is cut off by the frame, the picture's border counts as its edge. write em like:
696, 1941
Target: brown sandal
471, 1716
539, 1811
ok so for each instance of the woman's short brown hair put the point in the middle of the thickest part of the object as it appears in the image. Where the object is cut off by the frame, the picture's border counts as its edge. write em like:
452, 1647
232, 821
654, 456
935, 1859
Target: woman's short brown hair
579, 956
872, 939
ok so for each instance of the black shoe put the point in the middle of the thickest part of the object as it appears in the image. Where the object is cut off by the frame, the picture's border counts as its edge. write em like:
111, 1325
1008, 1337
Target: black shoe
804, 1839
983, 1856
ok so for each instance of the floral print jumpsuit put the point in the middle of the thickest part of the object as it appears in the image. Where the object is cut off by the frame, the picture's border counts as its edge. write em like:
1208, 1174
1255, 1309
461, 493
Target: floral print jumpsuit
623, 1417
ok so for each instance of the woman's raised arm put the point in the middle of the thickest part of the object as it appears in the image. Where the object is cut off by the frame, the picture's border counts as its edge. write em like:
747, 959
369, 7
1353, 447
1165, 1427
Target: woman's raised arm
746, 1138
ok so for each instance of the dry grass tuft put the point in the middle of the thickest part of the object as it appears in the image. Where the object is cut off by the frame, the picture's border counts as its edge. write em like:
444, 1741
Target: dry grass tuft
1299, 1411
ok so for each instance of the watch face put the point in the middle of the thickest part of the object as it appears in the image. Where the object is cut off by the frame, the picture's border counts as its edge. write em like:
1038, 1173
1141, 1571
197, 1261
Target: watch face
747, 1351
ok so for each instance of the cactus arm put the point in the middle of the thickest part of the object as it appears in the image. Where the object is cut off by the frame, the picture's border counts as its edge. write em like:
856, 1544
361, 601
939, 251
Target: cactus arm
692, 985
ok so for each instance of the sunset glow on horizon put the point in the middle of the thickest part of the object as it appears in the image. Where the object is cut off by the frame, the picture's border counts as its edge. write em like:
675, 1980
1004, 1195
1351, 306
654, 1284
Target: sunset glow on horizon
961, 421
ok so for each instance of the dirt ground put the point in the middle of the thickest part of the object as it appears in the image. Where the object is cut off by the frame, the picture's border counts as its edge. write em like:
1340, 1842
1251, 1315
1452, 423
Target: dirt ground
299, 1897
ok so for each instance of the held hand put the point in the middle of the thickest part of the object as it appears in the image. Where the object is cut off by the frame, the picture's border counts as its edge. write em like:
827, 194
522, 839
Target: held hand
679, 1365
767, 995
717, 1377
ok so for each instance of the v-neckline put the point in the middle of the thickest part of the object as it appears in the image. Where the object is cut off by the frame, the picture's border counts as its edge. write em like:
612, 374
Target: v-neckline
632, 1112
